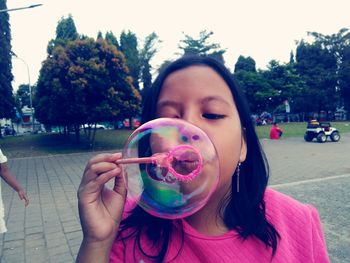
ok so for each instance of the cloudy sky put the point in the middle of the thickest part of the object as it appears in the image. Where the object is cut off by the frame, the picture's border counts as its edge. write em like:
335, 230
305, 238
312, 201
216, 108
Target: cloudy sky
264, 30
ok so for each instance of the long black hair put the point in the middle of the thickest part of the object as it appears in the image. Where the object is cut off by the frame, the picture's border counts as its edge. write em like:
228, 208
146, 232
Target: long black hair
243, 211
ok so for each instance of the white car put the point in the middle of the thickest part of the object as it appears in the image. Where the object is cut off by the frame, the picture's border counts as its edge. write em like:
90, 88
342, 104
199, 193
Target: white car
321, 131
92, 126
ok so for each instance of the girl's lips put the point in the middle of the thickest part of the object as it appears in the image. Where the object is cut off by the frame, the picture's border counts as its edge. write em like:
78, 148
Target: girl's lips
187, 156
185, 167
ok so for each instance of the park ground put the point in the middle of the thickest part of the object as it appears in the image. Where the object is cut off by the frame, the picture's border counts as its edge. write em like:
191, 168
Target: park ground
48, 230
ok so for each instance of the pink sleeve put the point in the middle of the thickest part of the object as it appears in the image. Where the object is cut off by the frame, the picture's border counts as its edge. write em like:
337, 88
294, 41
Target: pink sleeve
320, 253
117, 254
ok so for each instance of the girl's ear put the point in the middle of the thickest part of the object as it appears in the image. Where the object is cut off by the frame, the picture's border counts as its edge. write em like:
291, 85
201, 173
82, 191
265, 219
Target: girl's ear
243, 153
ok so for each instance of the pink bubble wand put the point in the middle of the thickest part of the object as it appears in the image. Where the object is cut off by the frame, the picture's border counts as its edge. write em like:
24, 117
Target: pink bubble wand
167, 160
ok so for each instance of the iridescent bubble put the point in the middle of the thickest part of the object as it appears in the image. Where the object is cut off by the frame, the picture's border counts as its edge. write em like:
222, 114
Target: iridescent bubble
172, 168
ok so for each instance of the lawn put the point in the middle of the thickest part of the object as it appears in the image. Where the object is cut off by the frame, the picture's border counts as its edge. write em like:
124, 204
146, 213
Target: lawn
48, 144
297, 129
108, 140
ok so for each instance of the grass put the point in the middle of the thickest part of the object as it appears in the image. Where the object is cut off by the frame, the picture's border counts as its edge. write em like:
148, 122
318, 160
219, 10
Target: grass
106, 140
49, 144
297, 129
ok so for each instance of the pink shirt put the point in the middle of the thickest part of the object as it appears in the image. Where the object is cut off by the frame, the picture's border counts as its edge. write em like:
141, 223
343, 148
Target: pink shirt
298, 225
275, 132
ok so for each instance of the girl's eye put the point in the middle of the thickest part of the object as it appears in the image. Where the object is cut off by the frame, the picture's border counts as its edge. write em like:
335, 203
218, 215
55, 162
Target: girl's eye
213, 116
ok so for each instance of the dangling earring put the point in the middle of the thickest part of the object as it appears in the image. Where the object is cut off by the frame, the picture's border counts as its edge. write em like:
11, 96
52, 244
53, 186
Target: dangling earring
238, 170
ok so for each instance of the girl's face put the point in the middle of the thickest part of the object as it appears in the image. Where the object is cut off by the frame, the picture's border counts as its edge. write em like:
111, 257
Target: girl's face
199, 95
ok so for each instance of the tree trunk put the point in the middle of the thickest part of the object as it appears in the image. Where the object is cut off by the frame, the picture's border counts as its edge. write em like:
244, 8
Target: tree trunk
93, 138
77, 133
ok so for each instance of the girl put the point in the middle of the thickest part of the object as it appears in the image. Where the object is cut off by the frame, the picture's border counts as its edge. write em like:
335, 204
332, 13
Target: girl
243, 221
5, 174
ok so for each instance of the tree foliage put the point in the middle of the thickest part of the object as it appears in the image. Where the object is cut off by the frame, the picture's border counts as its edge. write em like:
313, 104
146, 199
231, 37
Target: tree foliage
23, 96
86, 81
338, 45
112, 39
316, 79
287, 84
146, 54
266, 90
66, 29
258, 91
200, 46
65, 32
7, 102
344, 78
317, 66
246, 64
128, 46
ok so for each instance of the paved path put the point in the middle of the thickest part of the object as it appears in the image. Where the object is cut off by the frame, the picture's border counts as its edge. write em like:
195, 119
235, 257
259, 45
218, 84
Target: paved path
49, 229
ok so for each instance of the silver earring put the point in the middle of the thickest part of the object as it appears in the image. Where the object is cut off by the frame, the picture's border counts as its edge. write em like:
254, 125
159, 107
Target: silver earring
238, 170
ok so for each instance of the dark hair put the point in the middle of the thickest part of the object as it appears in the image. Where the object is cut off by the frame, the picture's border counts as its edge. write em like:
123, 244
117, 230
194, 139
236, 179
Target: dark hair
243, 211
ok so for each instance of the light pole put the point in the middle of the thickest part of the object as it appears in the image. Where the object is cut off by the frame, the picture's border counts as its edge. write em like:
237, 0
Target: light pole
30, 89
20, 8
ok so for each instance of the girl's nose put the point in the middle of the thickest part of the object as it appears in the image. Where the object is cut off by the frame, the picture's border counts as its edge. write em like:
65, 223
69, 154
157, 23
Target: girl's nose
194, 120
189, 117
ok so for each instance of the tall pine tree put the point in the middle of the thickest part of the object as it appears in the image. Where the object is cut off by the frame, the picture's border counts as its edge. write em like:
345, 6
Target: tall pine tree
128, 46
65, 31
146, 54
200, 46
7, 102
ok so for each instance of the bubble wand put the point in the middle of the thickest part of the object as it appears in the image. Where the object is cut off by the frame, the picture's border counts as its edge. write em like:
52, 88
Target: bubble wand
185, 156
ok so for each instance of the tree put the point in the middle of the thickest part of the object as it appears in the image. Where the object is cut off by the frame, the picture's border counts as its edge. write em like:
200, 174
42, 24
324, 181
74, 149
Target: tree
22, 95
338, 45
287, 84
344, 78
245, 63
266, 90
99, 35
146, 54
65, 32
111, 39
7, 102
86, 81
317, 67
146, 75
66, 29
200, 46
128, 46
259, 93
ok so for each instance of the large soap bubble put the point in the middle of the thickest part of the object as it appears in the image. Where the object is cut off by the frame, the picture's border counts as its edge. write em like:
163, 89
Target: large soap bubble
170, 168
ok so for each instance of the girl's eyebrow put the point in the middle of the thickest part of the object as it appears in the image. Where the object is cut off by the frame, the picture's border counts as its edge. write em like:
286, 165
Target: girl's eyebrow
215, 98
175, 104
169, 103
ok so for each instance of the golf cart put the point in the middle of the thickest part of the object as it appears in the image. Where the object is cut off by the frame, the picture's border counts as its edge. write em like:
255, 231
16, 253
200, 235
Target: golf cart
321, 131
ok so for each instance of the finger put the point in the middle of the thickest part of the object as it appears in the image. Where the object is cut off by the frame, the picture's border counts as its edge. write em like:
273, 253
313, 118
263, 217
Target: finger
96, 170
119, 183
105, 177
104, 157
93, 188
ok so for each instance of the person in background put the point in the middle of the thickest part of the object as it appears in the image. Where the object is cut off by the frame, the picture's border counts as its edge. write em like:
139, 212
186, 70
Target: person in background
7, 176
275, 131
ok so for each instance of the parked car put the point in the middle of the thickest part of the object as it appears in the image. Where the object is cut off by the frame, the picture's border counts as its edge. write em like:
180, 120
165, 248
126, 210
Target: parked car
321, 131
7, 130
98, 126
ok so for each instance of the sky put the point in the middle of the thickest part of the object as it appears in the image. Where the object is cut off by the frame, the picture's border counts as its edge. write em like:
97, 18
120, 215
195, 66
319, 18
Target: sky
263, 30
